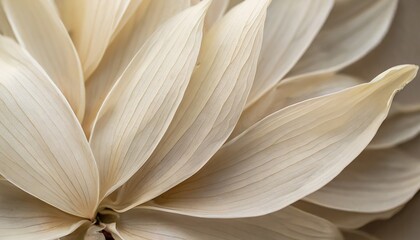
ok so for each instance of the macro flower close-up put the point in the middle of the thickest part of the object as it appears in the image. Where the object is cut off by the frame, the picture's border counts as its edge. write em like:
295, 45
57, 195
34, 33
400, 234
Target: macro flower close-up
211, 119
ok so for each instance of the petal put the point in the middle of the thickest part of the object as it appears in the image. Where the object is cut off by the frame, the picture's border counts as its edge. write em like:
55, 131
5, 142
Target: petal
123, 49
42, 146
358, 235
25, 217
291, 26
91, 24
212, 104
400, 45
345, 219
352, 30
40, 31
289, 154
216, 11
401, 127
139, 108
289, 223
87, 232
289, 92
376, 181
404, 225
5, 28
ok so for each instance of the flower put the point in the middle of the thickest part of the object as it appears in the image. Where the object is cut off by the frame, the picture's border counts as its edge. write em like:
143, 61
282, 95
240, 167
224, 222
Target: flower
143, 119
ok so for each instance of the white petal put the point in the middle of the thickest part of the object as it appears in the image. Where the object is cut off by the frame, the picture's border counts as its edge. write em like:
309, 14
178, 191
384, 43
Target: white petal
216, 11
291, 26
352, 30
289, 223
141, 105
42, 146
40, 31
289, 154
122, 51
212, 104
25, 217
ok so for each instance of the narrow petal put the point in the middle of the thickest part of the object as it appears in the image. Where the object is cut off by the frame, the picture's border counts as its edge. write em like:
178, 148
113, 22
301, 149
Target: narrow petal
401, 127
345, 219
291, 26
40, 31
92, 24
212, 104
290, 223
216, 11
376, 181
141, 105
289, 92
289, 154
42, 146
25, 217
121, 52
352, 30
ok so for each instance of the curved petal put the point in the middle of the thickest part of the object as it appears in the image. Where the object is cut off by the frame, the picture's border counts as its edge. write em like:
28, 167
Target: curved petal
352, 30
216, 11
291, 26
141, 105
87, 232
92, 24
290, 223
42, 147
5, 28
289, 154
376, 181
345, 219
40, 31
122, 51
25, 217
289, 92
212, 104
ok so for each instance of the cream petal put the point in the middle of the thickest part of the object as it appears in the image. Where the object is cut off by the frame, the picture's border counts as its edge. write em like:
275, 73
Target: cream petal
42, 146
212, 104
290, 223
289, 92
141, 105
345, 219
289, 154
376, 181
40, 31
25, 217
352, 30
149, 16
92, 24
291, 26
216, 11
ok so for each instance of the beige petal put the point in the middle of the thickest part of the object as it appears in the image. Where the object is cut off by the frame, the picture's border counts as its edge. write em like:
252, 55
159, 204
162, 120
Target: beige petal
290, 223
289, 92
212, 104
289, 154
358, 235
404, 225
400, 45
40, 31
412, 147
352, 30
25, 217
87, 232
344, 219
42, 147
401, 127
376, 181
216, 11
141, 105
91, 24
5, 28
291, 26
123, 49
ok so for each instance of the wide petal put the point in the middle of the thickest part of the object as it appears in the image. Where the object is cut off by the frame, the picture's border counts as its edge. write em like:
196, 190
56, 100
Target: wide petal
352, 30
25, 217
141, 105
40, 31
289, 154
148, 17
289, 92
212, 104
291, 26
42, 146
290, 223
